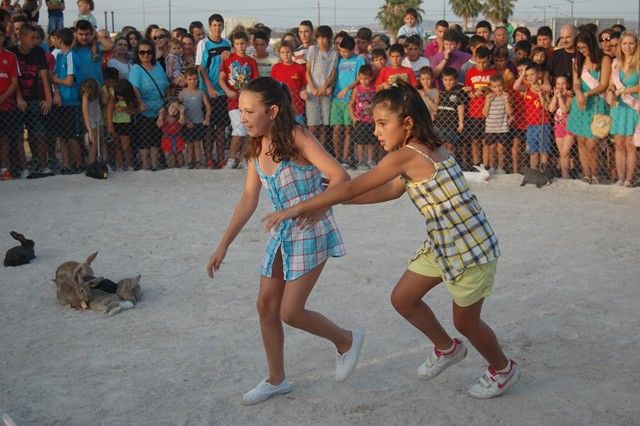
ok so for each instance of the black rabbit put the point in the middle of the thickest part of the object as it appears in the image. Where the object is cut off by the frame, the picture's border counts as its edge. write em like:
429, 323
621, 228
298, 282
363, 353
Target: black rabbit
539, 178
22, 254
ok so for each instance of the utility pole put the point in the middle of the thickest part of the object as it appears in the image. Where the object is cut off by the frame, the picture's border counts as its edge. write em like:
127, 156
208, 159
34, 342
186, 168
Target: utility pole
444, 10
170, 27
113, 27
144, 16
318, 12
334, 13
572, 2
106, 27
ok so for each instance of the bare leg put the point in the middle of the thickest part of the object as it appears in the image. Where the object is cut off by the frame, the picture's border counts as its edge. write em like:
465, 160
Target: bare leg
268, 304
467, 321
592, 157
153, 154
293, 312
406, 298
583, 156
621, 153
632, 154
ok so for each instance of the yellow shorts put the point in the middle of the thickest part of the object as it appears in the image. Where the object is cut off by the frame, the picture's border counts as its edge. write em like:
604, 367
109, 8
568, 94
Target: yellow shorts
473, 285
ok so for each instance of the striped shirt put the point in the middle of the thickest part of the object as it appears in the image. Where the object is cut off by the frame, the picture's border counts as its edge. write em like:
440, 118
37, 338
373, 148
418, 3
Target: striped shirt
302, 250
496, 121
457, 229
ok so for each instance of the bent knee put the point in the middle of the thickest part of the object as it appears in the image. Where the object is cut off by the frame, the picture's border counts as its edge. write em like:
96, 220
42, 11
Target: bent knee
291, 316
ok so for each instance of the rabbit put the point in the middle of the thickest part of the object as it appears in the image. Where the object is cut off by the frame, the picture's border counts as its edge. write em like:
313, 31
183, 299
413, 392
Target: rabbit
539, 178
73, 291
480, 175
68, 268
22, 254
107, 303
7, 420
129, 289
107, 286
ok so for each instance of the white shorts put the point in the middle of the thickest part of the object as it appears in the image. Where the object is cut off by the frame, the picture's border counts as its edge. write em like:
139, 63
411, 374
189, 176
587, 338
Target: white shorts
237, 129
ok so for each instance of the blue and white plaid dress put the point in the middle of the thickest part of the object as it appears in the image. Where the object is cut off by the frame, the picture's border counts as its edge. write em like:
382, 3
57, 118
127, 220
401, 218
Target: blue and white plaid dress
302, 250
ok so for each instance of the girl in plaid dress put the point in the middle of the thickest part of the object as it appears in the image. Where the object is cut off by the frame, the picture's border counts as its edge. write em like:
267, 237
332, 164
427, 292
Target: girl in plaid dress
461, 248
289, 162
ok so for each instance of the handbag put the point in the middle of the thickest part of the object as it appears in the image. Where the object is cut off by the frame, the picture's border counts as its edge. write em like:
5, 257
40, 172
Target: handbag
600, 124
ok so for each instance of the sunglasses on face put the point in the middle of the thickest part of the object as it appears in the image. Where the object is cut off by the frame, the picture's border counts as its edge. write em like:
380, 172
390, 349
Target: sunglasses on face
158, 37
145, 52
604, 38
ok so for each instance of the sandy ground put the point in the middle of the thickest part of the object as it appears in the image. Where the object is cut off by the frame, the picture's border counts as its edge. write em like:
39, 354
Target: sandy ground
565, 305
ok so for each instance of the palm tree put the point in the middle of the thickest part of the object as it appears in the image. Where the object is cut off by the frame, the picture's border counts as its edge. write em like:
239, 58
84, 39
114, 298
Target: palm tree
391, 14
497, 10
466, 9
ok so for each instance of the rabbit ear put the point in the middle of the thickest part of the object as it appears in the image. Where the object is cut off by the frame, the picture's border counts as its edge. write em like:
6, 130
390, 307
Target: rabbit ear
95, 281
8, 421
77, 275
91, 258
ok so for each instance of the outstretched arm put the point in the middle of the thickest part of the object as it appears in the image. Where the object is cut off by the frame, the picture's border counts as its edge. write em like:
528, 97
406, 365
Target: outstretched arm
242, 213
386, 171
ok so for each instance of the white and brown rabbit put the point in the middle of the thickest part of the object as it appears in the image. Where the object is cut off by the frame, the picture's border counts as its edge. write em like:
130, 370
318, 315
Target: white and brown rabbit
73, 291
129, 289
69, 267
107, 303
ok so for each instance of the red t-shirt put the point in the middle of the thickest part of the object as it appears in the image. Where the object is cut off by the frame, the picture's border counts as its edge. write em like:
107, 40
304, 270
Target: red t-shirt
8, 71
477, 80
519, 118
534, 109
239, 71
390, 75
294, 76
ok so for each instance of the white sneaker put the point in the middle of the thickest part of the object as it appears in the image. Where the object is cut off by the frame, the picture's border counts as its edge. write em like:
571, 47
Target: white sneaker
439, 361
362, 166
346, 363
46, 171
371, 164
24, 174
231, 163
240, 164
492, 384
500, 171
266, 390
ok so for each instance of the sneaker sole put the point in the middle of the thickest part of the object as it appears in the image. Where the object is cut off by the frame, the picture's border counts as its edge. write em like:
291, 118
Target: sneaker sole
280, 392
456, 360
512, 381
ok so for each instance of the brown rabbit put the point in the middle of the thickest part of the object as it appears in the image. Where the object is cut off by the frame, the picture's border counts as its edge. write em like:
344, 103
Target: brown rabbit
107, 303
73, 291
69, 267
129, 289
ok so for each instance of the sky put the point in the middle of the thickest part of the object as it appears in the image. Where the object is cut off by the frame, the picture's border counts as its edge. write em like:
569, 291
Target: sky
281, 13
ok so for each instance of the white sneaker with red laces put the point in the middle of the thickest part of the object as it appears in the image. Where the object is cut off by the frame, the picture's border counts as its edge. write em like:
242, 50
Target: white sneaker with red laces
492, 383
438, 360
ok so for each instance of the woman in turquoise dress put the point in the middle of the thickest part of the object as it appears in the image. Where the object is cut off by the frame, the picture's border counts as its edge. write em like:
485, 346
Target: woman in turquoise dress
624, 116
591, 73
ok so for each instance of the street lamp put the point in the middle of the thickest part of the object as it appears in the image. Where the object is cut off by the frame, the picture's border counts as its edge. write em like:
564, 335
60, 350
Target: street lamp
572, 2
544, 10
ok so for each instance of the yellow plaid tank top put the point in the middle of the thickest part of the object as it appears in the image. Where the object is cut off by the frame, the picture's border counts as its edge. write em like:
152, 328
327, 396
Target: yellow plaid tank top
458, 231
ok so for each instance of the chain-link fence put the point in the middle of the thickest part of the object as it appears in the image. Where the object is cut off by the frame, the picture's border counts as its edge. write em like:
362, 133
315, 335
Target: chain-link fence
502, 137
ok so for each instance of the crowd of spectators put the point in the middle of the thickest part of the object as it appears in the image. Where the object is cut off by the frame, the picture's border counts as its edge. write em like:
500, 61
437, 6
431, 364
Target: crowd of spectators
502, 99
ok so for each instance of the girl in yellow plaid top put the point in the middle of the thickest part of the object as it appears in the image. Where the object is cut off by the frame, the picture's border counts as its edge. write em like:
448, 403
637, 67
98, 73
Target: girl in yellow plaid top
461, 248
